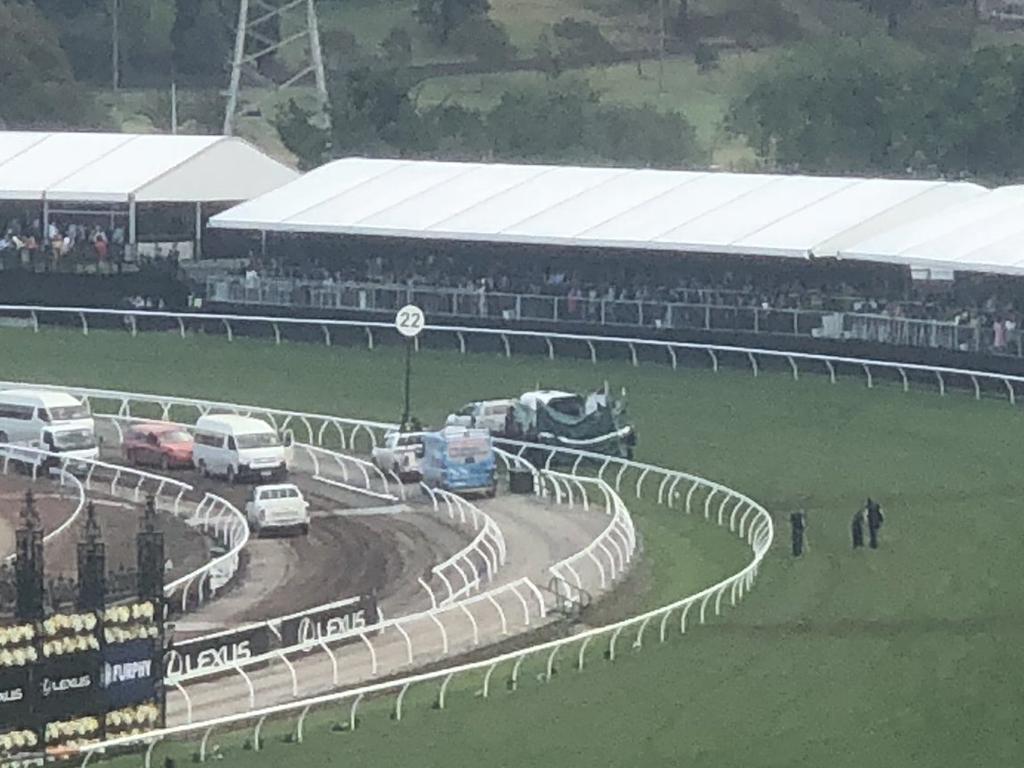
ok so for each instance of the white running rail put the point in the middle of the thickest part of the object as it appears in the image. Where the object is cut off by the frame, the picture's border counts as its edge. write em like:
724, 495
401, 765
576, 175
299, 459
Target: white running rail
64, 478
502, 338
488, 547
611, 552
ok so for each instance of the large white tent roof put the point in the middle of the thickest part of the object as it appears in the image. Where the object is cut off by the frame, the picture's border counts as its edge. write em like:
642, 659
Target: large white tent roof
707, 212
984, 234
116, 167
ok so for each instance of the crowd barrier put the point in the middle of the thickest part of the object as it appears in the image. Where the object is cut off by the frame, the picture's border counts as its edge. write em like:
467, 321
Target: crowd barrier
697, 310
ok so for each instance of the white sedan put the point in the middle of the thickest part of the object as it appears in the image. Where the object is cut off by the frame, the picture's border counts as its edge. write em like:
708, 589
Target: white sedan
277, 507
400, 453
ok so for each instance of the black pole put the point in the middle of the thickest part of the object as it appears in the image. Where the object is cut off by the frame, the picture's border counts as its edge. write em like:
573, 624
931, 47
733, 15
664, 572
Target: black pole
408, 377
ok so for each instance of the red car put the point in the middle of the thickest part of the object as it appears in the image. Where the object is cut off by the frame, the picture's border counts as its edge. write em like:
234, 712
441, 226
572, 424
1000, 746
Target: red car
158, 445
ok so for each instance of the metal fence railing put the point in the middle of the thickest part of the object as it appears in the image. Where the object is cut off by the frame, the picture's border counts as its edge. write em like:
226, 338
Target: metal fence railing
701, 311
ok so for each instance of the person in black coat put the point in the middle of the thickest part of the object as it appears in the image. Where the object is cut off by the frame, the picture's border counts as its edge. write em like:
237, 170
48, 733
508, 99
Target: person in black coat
798, 522
857, 529
875, 520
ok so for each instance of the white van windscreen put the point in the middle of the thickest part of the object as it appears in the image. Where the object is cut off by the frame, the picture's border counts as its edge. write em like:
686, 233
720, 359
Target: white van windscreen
74, 440
64, 413
261, 440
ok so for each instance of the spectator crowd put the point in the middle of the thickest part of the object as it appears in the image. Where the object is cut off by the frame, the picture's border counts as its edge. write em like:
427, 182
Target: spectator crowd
863, 289
26, 243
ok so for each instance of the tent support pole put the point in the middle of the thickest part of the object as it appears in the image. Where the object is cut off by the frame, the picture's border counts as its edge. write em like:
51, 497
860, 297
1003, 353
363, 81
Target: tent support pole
131, 226
198, 251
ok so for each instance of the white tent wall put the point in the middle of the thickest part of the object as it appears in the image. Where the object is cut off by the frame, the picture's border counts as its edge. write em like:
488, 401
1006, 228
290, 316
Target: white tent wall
226, 171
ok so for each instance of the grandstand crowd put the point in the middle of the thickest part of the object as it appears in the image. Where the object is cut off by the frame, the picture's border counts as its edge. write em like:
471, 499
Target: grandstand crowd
858, 289
62, 240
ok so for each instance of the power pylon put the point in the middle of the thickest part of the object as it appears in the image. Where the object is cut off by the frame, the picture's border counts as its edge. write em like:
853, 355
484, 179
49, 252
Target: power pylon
263, 30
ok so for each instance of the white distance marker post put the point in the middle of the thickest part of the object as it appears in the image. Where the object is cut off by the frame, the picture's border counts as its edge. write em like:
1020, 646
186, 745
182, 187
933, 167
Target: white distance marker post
409, 321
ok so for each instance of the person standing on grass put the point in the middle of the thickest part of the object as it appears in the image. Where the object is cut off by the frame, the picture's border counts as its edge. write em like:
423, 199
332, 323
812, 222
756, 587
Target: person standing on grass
798, 522
857, 528
875, 520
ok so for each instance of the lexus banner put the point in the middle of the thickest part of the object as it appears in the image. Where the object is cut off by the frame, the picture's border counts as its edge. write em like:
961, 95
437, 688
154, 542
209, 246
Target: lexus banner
15, 698
68, 686
221, 650
325, 623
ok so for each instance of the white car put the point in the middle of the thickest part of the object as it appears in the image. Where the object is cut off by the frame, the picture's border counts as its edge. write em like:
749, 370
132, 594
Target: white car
483, 414
277, 507
401, 453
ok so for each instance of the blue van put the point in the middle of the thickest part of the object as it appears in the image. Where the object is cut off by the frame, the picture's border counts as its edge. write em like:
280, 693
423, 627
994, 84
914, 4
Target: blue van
459, 459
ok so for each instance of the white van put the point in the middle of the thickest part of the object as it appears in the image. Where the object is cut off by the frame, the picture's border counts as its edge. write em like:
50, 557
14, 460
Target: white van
70, 447
238, 447
25, 413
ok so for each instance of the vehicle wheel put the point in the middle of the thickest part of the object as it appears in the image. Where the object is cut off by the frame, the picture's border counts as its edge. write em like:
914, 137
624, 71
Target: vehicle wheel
492, 492
3, 437
203, 470
305, 529
231, 476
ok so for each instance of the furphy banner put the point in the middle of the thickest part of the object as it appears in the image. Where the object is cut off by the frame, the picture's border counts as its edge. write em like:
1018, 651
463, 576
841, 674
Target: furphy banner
131, 672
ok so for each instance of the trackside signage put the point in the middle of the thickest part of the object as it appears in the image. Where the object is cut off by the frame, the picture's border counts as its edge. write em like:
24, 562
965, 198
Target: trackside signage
131, 672
330, 622
225, 650
221, 650
15, 691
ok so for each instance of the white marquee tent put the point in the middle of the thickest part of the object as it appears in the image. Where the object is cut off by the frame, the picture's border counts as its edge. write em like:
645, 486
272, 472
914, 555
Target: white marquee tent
122, 169
681, 211
984, 234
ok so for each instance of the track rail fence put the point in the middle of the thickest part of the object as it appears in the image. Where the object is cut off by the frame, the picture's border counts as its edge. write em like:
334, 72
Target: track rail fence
480, 559
507, 341
64, 478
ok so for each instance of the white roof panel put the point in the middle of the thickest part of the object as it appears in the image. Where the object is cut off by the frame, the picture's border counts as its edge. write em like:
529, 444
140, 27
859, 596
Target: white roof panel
15, 142
114, 167
755, 214
736, 225
594, 207
844, 207
399, 183
497, 217
981, 233
309, 191
135, 163
695, 196
29, 174
461, 193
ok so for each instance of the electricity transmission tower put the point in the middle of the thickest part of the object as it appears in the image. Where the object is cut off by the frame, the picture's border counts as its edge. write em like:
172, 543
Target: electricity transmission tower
265, 27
